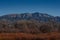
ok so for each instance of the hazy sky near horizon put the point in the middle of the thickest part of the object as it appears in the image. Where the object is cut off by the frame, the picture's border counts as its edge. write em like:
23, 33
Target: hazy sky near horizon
51, 7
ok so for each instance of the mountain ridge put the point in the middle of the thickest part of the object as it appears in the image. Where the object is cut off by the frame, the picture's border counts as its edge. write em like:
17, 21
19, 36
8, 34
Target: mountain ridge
28, 16
29, 23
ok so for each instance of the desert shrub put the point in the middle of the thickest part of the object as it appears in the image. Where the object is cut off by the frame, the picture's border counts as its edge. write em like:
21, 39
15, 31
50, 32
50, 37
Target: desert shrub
32, 32
19, 26
30, 25
52, 38
17, 38
59, 29
23, 38
45, 29
39, 39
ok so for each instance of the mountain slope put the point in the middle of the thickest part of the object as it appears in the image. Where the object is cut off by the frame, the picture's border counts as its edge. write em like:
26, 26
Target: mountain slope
30, 16
29, 23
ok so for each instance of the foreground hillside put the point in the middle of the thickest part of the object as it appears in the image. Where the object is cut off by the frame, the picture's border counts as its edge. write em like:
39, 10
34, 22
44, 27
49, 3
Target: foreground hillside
29, 30
33, 27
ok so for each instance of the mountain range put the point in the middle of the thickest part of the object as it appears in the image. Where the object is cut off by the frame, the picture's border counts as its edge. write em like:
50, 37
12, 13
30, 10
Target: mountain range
31, 16
29, 23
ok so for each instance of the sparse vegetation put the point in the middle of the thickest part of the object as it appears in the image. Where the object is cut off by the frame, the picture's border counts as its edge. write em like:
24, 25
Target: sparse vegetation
29, 29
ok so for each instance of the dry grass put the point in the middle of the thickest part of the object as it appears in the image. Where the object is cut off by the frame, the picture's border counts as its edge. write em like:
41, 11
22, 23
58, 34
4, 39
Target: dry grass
24, 36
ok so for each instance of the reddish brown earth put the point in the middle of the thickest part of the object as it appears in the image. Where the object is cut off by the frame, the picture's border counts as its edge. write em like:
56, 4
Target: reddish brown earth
24, 36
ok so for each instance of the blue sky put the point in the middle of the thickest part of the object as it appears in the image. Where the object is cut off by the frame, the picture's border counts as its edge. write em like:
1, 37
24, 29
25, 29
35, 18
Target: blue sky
51, 7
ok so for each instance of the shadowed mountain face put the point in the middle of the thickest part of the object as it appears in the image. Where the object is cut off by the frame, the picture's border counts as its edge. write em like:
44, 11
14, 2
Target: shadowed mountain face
29, 23
30, 16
